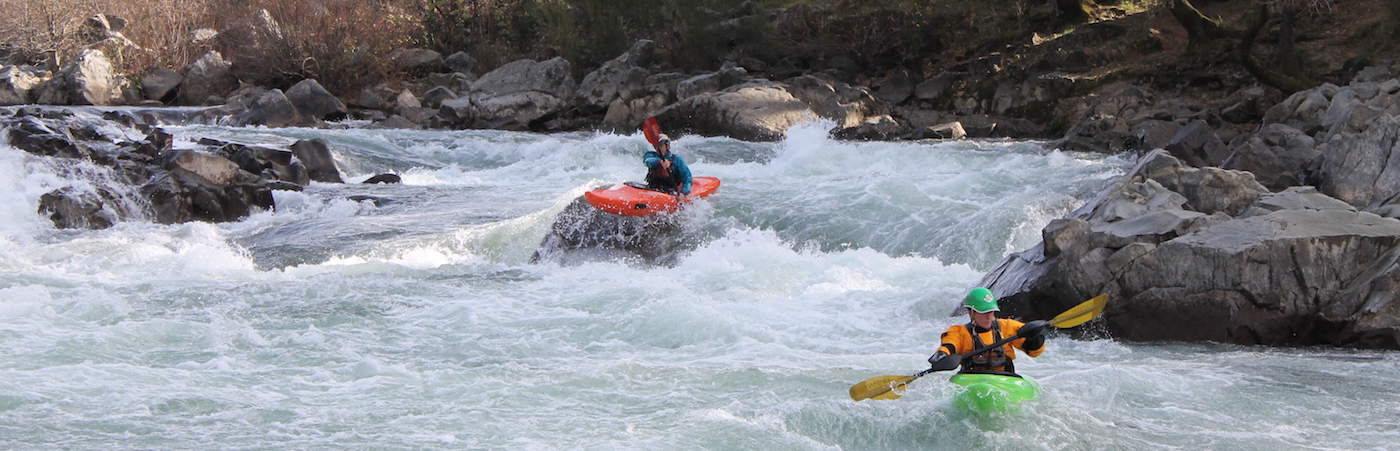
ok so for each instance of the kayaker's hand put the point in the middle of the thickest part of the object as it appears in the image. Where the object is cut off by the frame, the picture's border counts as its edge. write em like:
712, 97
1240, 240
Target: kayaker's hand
682, 198
1033, 329
666, 164
933, 360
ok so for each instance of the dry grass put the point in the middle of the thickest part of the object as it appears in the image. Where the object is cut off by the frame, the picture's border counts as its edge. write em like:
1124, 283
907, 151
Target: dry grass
342, 43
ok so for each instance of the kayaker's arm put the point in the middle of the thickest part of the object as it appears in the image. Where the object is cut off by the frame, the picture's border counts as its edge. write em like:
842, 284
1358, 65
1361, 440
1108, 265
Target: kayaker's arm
682, 170
1034, 337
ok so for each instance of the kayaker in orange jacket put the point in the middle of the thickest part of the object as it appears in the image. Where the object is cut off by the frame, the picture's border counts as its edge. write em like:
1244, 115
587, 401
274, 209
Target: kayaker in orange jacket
981, 307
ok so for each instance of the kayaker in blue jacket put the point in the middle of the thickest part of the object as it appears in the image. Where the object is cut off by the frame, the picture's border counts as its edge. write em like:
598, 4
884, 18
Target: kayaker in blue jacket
666, 171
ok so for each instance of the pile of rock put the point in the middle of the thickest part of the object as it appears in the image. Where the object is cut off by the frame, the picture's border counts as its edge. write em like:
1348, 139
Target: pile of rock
1208, 253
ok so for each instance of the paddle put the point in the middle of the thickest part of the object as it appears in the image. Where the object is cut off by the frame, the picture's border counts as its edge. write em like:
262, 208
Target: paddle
890, 387
652, 130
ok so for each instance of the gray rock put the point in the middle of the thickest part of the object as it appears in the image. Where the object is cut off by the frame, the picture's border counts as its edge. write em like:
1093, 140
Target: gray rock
434, 97
896, 88
179, 196
876, 128
212, 168
458, 112
935, 88
455, 81
621, 74
417, 61
1356, 167
87, 80
1207, 190
1295, 268
625, 116
406, 100
843, 104
1278, 155
208, 76
754, 111
69, 209
460, 62
274, 164
17, 82
159, 83
395, 122
314, 101
384, 178
269, 108
520, 93
697, 85
316, 155
1197, 145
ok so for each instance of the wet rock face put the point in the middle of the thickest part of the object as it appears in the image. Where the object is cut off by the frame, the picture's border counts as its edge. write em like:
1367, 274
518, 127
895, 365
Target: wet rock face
582, 232
69, 209
1208, 254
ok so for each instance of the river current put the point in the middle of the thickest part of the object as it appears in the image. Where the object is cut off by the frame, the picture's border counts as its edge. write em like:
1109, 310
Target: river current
422, 323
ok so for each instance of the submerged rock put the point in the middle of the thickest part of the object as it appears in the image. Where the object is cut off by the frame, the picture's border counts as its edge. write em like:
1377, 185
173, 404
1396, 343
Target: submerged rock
583, 229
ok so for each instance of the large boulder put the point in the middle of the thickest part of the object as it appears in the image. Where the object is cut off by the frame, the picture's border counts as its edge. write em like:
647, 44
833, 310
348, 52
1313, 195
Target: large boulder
1197, 145
625, 73
417, 61
520, 93
760, 110
273, 164
314, 101
1360, 167
159, 83
269, 108
583, 233
87, 80
1278, 155
209, 76
460, 62
181, 196
316, 155
69, 208
728, 75
17, 82
1228, 263
839, 102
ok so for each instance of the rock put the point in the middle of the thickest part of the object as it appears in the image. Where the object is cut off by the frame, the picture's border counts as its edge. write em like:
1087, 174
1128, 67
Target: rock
936, 88
180, 196
1388, 211
1355, 166
727, 76
159, 83
416, 61
458, 112
87, 80
312, 100
1278, 155
624, 73
209, 76
17, 82
69, 209
270, 108
460, 62
839, 102
896, 88
585, 231
395, 122
875, 128
754, 111
434, 97
376, 98
624, 116
521, 94
316, 155
455, 81
1102, 121
202, 35
36, 136
212, 168
1197, 145
947, 130
384, 178
1292, 268
1208, 190
1155, 133
273, 164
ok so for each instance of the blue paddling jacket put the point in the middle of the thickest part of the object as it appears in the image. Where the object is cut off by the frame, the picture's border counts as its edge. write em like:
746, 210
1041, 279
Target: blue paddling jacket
677, 180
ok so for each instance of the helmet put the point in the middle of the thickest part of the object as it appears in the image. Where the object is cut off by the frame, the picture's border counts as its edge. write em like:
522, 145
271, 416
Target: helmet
981, 300
663, 139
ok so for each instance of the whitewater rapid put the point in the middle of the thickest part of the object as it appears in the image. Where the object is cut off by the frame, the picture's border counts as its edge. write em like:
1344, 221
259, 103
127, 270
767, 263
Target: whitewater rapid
421, 323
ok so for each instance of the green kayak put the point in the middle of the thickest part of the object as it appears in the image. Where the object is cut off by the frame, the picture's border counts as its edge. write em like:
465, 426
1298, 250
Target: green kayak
987, 394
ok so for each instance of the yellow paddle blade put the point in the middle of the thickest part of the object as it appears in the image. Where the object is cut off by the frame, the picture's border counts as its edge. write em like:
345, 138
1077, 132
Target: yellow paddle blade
880, 387
1081, 313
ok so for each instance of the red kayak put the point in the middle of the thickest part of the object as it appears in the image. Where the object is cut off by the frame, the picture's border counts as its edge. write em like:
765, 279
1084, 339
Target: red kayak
629, 199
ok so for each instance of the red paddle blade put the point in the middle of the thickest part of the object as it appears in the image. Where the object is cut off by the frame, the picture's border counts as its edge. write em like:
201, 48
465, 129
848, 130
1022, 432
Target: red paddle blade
652, 130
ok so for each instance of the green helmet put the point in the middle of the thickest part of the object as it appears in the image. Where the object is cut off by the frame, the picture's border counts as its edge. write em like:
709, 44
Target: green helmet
981, 300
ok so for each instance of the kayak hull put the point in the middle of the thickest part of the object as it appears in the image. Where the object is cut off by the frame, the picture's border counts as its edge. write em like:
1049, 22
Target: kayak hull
991, 394
627, 200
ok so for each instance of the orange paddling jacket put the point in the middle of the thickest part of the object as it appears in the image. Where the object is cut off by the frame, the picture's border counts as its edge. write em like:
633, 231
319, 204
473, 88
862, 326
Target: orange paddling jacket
957, 340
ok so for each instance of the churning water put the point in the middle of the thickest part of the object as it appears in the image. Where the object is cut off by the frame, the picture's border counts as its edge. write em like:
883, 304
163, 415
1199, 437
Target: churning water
421, 323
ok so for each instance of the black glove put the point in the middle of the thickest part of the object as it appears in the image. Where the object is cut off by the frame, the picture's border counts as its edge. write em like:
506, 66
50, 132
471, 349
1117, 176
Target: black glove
933, 360
1033, 329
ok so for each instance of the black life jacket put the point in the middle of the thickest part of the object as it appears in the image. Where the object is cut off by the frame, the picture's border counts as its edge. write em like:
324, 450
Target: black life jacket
661, 179
993, 361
